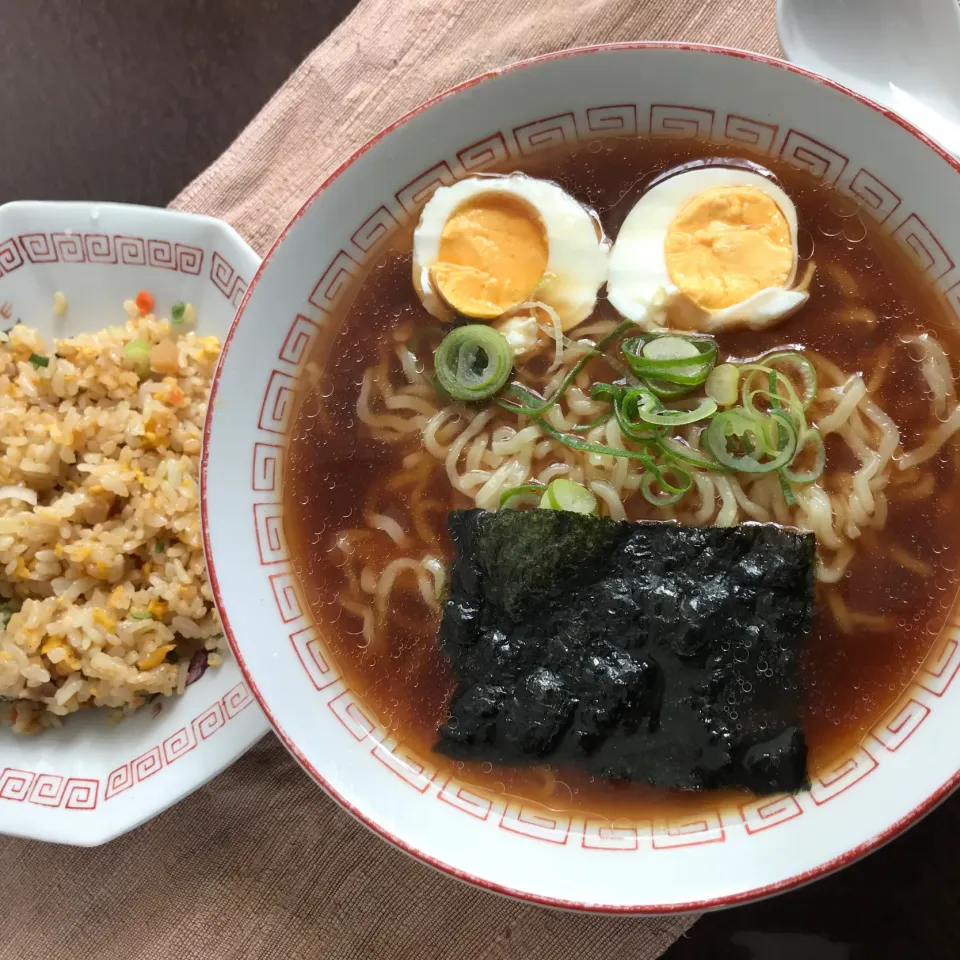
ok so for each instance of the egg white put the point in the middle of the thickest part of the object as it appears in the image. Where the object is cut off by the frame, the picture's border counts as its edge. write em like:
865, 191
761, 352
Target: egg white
639, 284
577, 258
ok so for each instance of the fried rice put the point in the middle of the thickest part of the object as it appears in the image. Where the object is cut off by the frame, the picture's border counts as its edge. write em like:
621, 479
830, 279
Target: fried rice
103, 584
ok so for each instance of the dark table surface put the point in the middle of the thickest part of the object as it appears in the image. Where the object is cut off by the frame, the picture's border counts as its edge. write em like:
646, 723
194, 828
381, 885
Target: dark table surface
129, 100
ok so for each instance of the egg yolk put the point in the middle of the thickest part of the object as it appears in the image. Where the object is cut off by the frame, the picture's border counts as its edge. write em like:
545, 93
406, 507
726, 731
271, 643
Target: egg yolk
728, 243
493, 253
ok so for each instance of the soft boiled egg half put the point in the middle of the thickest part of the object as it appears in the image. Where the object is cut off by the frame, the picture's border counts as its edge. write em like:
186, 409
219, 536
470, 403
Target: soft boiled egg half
709, 249
488, 245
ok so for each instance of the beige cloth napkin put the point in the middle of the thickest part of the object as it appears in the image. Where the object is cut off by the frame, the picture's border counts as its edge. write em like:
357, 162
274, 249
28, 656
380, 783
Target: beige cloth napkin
260, 863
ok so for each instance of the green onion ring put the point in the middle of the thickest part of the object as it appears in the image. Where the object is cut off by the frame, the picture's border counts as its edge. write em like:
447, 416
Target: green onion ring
690, 456
651, 410
758, 434
512, 498
685, 371
628, 413
666, 390
806, 370
658, 500
663, 471
787, 490
473, 362
810, 435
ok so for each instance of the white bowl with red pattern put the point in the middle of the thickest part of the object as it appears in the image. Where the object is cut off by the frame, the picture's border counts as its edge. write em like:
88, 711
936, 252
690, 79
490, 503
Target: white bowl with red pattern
88, 782
906, 764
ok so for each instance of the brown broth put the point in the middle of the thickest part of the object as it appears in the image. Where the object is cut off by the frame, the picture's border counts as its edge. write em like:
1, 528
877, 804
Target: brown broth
850, 680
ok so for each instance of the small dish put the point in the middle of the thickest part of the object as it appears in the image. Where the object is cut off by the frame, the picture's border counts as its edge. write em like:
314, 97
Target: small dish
87, 781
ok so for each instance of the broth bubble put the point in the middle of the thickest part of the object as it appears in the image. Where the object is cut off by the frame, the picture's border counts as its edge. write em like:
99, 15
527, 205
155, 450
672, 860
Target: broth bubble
842, 206
831, 227
854, 230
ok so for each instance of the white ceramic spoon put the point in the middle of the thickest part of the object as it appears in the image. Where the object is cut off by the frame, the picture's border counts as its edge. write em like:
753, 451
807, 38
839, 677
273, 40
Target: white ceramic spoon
904, 54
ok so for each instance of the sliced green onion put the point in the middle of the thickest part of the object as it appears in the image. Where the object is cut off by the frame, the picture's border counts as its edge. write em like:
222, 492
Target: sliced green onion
563, 494
587, 427
788, 494
177, 311
649, 409
801, 366
666, 390
158, 547
775, 403
722, 384
809, 438
605, 391
473, 362
141, 616
669, 348
689, 455
588, 446
672, 478
633, 424
526, 495
39, 361
138, 353
778, 390
774, 435
661, 497
532, 405
676, 359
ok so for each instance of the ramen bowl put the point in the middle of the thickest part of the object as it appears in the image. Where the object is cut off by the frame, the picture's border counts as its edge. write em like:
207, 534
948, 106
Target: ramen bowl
717, 855
89, 780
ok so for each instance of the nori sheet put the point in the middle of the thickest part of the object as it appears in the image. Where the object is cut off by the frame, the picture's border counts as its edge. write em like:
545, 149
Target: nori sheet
646, 652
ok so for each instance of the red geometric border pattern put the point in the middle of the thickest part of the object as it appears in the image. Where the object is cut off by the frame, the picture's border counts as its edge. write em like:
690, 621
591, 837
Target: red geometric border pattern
843, 776
335, 280
769, 812
84, 793
47, 790
484, 153
321, 669
419, 190
916, 238
267, 466
314, 657
602, 835
752, 133
704, 827
10, 256
377, 226
819, 160
532, 822
546, 133
875, 197
300, 338
940, 669
618, 119
900, 723
678, 121
123, 250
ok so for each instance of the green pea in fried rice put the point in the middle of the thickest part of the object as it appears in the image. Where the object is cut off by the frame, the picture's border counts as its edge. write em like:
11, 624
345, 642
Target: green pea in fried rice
104, 596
